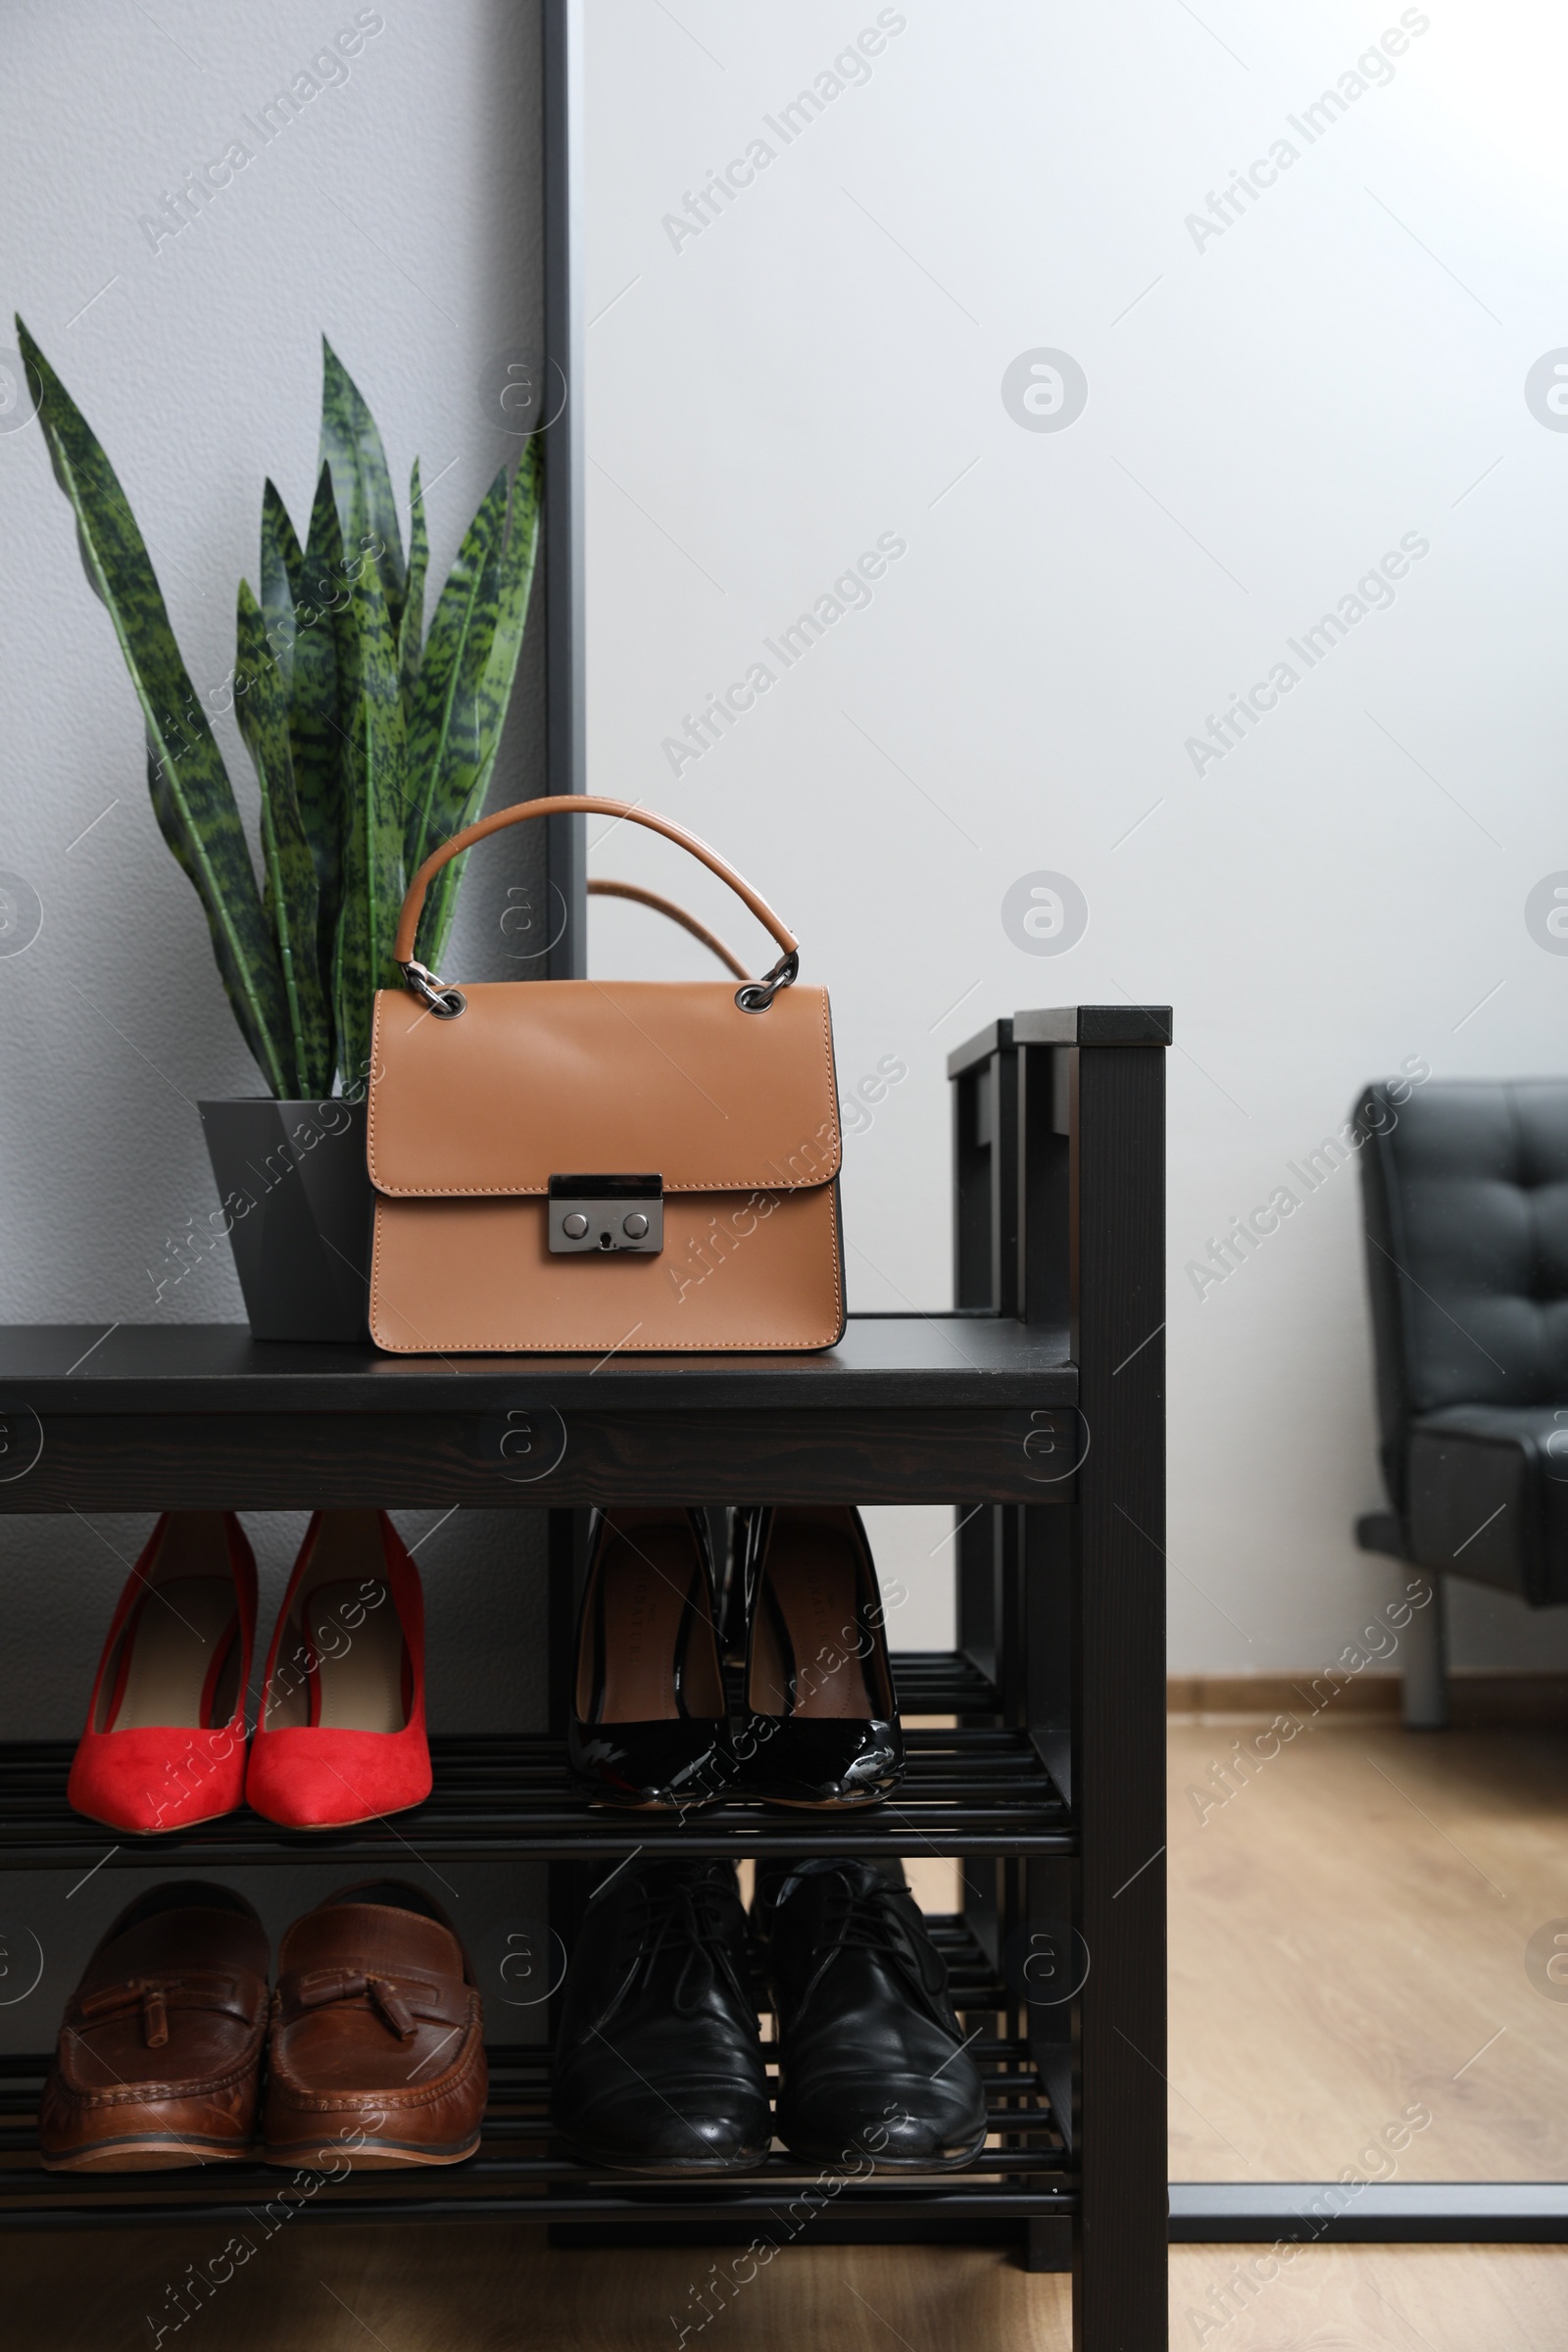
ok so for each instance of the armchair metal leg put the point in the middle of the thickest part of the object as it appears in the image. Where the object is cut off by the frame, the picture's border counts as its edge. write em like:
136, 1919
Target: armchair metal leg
1426, 1666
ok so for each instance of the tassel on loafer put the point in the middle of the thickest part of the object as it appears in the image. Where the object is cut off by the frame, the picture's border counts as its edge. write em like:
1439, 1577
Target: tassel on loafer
375, 2060
158, 2061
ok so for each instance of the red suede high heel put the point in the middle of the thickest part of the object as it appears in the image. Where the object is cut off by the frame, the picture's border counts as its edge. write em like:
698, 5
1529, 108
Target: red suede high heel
340, 1737
164, 1742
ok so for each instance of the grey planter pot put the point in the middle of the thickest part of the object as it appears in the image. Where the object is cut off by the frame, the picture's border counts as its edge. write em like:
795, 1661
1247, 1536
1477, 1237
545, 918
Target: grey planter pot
298, 1206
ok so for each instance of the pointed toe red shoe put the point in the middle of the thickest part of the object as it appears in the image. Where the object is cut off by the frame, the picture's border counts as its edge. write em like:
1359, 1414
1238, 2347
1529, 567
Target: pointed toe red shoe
164, 1742
340, 1737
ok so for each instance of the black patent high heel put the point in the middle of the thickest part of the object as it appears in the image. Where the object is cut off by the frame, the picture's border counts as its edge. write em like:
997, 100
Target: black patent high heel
821, 1717
648, 1724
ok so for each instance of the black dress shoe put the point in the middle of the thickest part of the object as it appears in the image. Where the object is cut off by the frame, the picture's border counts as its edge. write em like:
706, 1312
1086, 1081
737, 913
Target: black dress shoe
660, 2067
871, 2057
650, 1722
823, 1723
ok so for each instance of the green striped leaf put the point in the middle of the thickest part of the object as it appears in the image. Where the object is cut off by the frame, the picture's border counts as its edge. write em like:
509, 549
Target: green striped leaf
192, 797
514, 580
319, 735
281, 580
411, 627
376, 799
367, 512
444, 754
290, 897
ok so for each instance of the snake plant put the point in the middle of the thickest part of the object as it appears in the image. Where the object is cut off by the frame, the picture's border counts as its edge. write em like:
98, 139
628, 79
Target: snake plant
372, 738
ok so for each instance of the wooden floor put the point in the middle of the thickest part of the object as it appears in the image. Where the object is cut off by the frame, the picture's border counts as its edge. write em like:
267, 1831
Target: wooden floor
1348, 1943
1349, 1939
490, 2288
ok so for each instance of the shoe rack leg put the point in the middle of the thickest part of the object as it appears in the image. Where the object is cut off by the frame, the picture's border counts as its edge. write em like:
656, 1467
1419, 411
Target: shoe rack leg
570, 1883
1048, 2245
1055, 1961
1117, 1210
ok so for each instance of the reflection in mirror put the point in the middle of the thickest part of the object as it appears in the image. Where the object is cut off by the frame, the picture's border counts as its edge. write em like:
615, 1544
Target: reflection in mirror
1072, 515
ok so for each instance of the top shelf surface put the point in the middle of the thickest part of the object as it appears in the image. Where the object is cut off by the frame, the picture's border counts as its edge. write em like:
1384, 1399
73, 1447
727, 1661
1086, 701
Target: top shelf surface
899, 1362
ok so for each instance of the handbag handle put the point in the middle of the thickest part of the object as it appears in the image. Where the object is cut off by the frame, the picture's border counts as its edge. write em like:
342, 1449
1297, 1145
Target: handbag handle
756, 995
598, 888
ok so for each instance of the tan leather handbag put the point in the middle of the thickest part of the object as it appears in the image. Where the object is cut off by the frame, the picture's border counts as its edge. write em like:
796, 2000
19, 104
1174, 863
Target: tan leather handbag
600, 1168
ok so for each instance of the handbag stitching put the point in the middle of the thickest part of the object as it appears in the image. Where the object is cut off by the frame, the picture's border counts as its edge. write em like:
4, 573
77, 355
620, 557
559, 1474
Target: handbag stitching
538, 1191
536, 1347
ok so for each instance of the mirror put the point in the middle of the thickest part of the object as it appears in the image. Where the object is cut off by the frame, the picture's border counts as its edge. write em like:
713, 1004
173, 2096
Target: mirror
1071, 512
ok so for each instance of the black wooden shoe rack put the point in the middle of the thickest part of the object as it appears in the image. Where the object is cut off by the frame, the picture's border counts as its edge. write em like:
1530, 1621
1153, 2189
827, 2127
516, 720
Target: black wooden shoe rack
1036, 1409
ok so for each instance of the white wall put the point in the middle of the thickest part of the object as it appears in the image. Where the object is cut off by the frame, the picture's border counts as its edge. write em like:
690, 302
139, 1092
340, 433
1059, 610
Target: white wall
1270, 409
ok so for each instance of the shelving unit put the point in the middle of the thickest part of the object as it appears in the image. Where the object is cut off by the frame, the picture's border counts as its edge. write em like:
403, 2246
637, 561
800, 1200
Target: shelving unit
1036, 1409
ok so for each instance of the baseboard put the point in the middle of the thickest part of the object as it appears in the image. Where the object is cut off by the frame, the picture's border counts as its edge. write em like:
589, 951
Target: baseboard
1476, 1698
1269, 1694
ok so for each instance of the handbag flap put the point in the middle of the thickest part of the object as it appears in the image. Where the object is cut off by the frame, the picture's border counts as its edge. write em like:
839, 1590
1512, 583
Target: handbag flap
584, 1077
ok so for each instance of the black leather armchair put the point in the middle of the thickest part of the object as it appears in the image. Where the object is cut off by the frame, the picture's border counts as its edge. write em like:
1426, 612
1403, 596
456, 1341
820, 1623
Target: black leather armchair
1465, 1203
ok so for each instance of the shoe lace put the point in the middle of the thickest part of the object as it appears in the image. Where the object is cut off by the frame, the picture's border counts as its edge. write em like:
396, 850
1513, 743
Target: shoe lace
869, 1919
694, 1913
872, 1918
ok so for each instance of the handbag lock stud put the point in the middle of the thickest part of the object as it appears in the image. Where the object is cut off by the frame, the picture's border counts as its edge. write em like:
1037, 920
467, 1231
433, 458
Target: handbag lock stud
592, 1215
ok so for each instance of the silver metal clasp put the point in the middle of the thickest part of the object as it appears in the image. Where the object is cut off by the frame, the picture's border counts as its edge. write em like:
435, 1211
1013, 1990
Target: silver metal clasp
599, 1214
437, 998
758, 994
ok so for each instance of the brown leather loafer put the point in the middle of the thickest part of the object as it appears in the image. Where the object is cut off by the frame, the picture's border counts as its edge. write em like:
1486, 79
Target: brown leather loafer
160, 2051
377, 2055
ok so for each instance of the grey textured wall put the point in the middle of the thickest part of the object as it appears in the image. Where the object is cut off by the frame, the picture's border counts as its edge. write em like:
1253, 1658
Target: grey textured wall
398, 212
